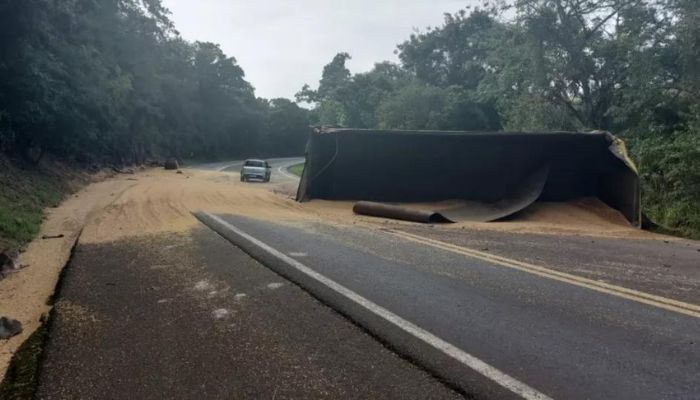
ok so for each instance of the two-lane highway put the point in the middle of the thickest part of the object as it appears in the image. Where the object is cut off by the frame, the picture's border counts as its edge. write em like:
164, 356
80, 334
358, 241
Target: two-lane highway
482, 325
179, 312
279, 168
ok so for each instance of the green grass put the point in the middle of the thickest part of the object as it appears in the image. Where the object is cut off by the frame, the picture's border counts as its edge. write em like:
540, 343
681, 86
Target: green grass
297, 169
24, 194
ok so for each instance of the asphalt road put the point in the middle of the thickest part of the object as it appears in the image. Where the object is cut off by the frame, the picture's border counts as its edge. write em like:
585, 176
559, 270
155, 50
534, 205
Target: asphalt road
354, 312
279, 168
516, 331
189, 316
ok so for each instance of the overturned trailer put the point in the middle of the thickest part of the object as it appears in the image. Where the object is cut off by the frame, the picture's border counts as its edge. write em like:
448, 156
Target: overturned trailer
495, 174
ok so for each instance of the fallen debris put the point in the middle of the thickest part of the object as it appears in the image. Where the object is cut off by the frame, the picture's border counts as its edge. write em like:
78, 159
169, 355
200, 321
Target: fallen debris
9, 327
172, 164
53, 236
9, 262
397, 212
123, 171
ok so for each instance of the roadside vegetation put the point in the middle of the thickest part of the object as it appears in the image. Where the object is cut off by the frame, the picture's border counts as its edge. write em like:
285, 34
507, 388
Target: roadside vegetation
26, 191
297, 169
628, 67
99, 81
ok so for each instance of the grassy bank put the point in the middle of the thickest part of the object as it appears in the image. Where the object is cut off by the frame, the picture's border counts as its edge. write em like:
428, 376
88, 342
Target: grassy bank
26, 192
297, 169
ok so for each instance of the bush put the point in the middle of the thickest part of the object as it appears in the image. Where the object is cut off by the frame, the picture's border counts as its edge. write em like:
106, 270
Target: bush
24, 195
670, 175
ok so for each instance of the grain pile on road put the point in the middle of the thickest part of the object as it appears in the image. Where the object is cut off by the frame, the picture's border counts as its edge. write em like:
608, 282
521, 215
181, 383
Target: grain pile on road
162, 201
582, 217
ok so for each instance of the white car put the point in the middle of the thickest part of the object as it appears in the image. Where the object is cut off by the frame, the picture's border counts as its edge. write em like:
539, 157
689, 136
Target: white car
254, 169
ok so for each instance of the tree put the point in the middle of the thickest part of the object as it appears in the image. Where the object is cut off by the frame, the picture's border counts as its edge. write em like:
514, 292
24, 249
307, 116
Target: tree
112, 79
335, 75
455, 57
288, 127
349, 100
415, 106
362, 94
454, 54
581, 50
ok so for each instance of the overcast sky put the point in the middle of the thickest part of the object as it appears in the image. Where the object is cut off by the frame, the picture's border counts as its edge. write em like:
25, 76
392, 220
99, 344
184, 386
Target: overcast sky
282, 44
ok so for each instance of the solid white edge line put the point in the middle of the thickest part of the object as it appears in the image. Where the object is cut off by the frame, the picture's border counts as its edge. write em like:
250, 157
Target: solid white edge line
283, 170
450, 350
229, 166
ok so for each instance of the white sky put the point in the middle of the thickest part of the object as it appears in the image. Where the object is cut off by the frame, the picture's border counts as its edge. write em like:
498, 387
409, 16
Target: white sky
282, 44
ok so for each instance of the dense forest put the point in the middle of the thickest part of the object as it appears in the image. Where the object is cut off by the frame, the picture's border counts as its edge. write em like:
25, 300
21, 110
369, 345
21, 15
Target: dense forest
631, 67
112, 81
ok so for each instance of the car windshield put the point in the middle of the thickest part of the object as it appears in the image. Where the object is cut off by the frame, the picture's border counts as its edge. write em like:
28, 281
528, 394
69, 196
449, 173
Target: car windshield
260, 164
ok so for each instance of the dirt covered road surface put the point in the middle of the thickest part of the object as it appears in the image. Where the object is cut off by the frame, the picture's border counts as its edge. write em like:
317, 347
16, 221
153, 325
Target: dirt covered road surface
154, 304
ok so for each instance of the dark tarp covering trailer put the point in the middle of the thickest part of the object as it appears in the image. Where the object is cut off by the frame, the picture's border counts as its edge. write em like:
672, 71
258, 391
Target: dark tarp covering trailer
496, 173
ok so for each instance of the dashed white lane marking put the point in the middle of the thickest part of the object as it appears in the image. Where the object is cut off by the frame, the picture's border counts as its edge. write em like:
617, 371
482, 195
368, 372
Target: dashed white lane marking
470, 361
298, 254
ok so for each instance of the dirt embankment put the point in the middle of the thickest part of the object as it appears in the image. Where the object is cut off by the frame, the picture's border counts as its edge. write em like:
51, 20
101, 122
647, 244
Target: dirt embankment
158, 201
